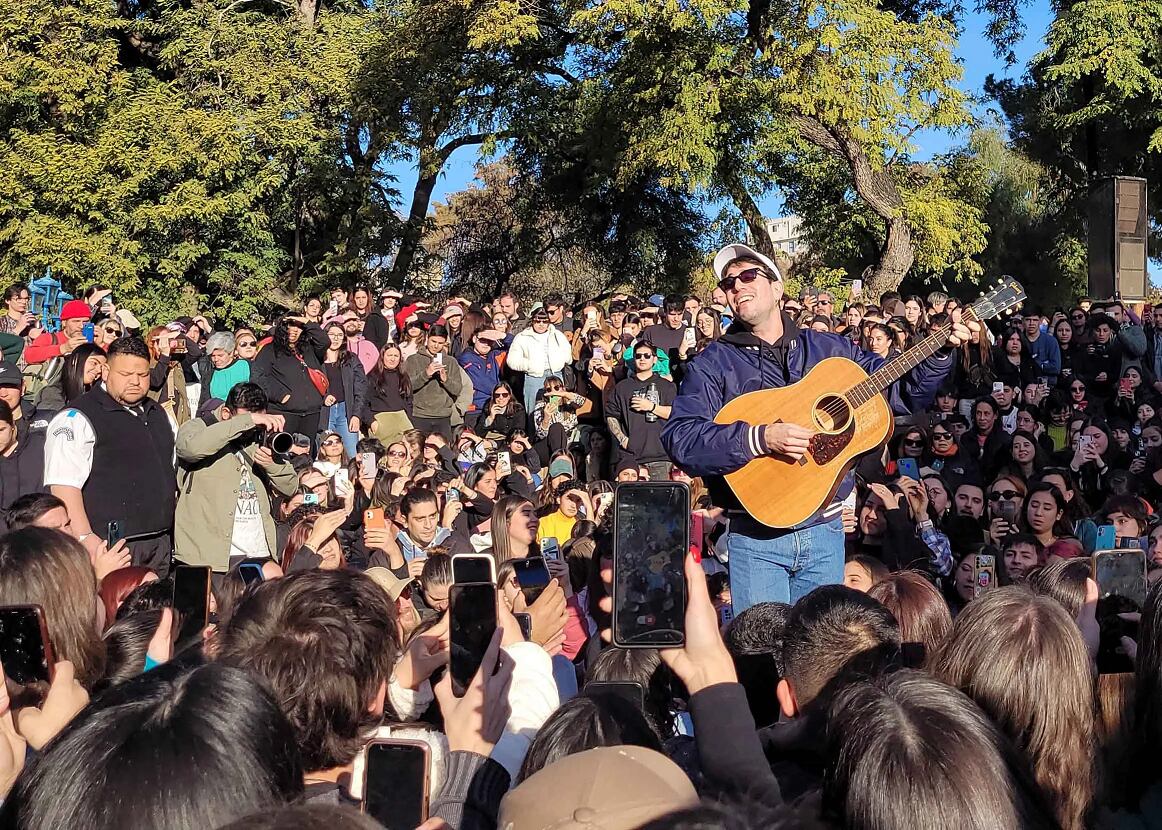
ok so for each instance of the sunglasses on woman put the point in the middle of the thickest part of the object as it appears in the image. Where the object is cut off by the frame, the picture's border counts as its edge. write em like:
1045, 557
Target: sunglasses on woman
247, 344
397, 454
500, 395
748, 276
913, 442
331, 442
942, 436
1007, 495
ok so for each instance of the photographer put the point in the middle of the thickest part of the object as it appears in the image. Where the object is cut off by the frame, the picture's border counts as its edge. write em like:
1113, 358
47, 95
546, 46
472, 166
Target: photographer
223, 510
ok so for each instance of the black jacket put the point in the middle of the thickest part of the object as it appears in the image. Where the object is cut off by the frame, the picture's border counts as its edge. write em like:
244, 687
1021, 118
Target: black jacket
354, 391
23, 471
284, 378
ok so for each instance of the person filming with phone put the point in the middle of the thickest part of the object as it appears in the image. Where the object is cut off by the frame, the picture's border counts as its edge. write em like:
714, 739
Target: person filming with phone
109, 458
226, 467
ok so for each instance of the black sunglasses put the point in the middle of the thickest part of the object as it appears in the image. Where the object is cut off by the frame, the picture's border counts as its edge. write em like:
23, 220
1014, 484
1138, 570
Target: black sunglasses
748, 276
913, 442
1007, 495
941, 436
643, 356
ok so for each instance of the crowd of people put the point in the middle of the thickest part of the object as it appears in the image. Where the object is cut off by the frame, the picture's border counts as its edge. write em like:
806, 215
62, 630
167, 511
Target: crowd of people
926, 651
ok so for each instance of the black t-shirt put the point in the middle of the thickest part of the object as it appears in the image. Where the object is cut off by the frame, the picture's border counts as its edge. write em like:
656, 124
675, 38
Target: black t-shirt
666, 339
645, 436
334, 379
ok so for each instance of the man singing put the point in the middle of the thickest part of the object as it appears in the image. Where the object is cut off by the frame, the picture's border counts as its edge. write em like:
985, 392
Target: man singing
764, 348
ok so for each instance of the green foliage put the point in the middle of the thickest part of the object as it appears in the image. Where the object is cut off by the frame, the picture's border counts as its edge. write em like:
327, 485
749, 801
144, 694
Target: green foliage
191, 145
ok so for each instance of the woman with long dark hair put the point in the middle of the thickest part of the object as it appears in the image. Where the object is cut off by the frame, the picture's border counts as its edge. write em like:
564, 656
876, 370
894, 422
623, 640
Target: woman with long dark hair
974, 368
289, 370
80, 371
1013, 361
346, 389
388, 405
502, 414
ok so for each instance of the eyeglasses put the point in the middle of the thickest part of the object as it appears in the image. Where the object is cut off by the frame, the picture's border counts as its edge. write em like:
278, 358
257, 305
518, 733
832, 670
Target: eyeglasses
247, 344
500, 395
1007, 495
913, 442
1079, 316
114, 332
941, 436
748, 276
331, 441
1076, 388
823, 302
643, 356
397, 454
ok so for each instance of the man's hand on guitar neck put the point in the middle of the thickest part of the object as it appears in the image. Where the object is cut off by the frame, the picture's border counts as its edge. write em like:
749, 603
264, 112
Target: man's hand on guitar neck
961, 332
790, 440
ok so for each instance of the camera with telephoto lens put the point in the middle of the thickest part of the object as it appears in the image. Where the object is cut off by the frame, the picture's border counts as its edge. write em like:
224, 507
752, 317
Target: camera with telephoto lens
279, 443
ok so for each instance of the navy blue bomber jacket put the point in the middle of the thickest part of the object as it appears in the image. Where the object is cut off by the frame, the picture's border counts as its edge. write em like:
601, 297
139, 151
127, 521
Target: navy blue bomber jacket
739, 362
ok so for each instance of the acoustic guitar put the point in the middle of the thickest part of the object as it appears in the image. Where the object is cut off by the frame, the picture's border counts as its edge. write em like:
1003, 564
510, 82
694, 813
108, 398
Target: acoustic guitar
846, 407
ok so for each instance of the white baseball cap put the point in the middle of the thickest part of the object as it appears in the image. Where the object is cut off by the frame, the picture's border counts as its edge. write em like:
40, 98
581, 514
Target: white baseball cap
739, 251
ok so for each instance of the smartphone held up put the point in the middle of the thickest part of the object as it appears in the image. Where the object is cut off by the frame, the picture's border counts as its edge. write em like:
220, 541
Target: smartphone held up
651, 529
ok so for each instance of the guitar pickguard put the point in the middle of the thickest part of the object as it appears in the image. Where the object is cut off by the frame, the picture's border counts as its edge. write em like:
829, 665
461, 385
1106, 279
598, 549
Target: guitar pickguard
826, 446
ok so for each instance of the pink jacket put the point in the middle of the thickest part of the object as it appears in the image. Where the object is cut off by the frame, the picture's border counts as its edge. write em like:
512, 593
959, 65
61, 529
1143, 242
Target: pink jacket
365, 350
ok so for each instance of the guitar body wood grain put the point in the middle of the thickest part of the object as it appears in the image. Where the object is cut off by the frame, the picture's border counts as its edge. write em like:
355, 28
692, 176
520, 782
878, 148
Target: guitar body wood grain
780, 492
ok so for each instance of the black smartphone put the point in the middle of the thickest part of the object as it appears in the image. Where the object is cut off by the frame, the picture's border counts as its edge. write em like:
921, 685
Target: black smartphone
1121, 582
473, 567
635, 693
251, 573
396, 783
25, 647
651, 536
525, 621
114, 532
472, 622
191, 599
532, 576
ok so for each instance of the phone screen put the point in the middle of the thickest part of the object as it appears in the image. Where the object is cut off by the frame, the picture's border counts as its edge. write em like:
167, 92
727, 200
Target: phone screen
1121, 582
908, 467
1007, 510
23, 651
627, 690
191, 598
472, 623
651, 522
251, 573
468, 568
395, 784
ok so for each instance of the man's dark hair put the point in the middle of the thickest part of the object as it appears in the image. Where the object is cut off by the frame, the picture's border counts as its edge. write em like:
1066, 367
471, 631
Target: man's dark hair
248, 396
13, 291
989, 402
94, 289
437, 330
889, 297
673, 302
755, 642
324, 642
131, 346
172, 724
30, 507
829, 629
1023, 539
1102, 318
414, 498
956, 418
554, 299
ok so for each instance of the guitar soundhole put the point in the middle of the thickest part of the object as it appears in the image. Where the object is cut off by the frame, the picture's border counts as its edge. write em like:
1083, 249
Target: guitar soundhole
832, 414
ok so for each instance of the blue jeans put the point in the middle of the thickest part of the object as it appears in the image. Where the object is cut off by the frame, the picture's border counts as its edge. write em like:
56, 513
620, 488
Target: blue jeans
781, 568
337, 422
533, 387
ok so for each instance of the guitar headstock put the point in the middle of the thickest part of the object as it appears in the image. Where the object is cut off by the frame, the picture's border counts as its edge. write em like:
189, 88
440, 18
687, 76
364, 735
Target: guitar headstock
1004, 298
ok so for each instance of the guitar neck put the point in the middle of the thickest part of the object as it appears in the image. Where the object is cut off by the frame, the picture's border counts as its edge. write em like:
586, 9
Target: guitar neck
894, 369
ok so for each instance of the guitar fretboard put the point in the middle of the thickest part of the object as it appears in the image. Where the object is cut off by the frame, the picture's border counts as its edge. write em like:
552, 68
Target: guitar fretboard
894, 369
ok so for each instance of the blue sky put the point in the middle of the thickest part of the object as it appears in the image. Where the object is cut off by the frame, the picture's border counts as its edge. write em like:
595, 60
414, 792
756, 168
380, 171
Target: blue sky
975, 52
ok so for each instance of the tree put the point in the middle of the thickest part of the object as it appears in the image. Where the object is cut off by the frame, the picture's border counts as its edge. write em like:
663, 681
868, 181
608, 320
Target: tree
512, 232
717, 96
154, 146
